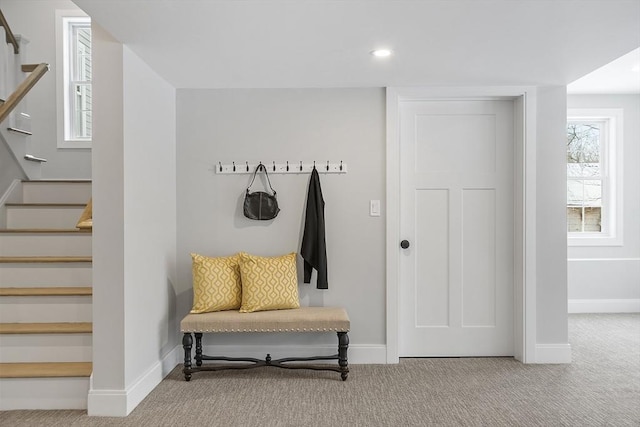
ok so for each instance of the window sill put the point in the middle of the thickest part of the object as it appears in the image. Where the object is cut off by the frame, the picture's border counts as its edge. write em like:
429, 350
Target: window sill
594, 240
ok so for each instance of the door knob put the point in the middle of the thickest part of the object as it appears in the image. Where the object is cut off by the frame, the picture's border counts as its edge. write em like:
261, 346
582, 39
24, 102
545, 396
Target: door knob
404, 244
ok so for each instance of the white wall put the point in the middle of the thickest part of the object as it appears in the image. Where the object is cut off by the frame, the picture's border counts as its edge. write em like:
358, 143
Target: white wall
149, 217
134, 234
108, 214
607, 278
288, 125
35, 20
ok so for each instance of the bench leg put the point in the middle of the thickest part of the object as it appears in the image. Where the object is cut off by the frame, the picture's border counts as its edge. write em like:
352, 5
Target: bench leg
187, 341
198, 349
343, 346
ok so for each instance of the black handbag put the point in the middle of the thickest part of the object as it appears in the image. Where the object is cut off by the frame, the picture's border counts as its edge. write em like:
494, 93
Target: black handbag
260, 205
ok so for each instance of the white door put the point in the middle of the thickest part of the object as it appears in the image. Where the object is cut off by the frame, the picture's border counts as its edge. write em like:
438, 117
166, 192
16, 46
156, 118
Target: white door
457, 214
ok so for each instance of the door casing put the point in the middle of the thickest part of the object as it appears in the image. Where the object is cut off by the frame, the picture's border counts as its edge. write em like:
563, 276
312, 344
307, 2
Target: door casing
524, 198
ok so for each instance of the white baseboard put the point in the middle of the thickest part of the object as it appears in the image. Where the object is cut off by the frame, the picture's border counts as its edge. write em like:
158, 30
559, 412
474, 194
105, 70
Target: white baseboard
553, 353
120, 403
604, 306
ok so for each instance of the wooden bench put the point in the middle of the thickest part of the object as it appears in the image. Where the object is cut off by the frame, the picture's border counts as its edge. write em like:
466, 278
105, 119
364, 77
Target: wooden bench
303, 319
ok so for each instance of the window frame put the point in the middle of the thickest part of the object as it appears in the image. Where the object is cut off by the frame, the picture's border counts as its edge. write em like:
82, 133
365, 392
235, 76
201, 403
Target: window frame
611, 177
64, 90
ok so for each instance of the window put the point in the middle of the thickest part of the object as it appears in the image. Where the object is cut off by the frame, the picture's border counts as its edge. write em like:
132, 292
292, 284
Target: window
594, 144
74, 80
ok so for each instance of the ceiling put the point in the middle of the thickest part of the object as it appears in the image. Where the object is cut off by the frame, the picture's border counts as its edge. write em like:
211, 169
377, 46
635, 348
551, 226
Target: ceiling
621, 76
326, 43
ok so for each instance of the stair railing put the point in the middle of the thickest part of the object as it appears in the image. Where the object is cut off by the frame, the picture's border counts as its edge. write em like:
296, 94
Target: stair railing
36, 70
23, 88
11, 39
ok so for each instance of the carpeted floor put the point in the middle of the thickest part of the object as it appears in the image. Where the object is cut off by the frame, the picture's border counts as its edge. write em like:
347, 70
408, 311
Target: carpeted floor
600, 388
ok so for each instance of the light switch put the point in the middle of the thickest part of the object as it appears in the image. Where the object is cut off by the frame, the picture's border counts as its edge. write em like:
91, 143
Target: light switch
374, 208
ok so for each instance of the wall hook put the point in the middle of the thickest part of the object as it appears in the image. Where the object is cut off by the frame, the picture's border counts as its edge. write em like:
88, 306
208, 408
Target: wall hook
301, 166
287, 165
234, 166
340, 164
327, 164
274, 166
314, 164
247, 166
220, 163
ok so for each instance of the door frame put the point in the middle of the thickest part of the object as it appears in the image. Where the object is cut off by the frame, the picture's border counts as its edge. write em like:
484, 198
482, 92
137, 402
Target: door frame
524, 98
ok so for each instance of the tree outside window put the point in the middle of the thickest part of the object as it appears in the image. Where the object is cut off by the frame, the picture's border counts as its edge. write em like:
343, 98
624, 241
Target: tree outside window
584, 176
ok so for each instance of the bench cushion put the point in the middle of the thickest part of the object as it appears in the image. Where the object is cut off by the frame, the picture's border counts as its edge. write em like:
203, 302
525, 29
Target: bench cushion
303, 319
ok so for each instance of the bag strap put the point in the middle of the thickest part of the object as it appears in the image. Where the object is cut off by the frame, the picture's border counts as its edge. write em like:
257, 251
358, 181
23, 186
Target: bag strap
263, 168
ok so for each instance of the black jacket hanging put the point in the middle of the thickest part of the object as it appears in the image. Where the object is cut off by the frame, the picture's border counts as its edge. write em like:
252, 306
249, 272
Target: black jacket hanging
314, 247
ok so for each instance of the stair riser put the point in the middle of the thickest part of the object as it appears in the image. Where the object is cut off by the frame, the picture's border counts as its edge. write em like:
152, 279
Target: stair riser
45, 348
45, 309
41, 275
43, 217
78, 244
43, 393
56, 192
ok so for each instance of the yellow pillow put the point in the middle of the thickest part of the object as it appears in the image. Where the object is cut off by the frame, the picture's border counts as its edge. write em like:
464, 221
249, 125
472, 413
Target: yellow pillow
216, 283
268, 283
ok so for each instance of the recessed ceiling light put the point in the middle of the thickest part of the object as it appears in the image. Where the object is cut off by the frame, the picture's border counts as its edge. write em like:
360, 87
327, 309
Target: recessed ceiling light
381, 53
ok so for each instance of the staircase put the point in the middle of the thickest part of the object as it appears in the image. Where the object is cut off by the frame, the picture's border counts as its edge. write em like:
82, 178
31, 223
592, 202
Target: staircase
45, 297
16, 80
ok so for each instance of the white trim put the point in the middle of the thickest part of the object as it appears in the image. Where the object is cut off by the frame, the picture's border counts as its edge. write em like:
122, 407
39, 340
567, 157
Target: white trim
60, 80
358, 354
393, 223
601, 259
553, 353
604, 306
525, 307
614, 159
120, 403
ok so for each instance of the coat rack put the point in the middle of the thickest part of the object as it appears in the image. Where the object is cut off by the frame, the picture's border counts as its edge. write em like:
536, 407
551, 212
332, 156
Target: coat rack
288, 167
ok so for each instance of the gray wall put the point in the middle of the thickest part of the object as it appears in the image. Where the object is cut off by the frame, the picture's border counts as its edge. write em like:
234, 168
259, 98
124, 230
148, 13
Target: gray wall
551, 234
35, 20
591, 269
295, 125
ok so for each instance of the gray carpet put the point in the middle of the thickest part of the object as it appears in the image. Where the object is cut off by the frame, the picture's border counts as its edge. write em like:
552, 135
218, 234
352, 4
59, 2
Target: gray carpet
600, 388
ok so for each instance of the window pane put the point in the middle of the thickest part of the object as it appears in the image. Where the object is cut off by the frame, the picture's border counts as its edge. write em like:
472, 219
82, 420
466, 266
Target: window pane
592, 193
82, 45
575, 193
583, 149
593, 219
82, 122
574, 219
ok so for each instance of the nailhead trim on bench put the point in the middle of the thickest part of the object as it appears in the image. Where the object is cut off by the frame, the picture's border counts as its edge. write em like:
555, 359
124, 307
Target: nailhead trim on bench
269, 330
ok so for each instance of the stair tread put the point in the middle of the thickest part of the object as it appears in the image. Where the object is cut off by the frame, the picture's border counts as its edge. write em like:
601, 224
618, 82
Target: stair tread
53, 291
45, 370
43, 259
46, 205
56, 181
44, 230
46, 328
